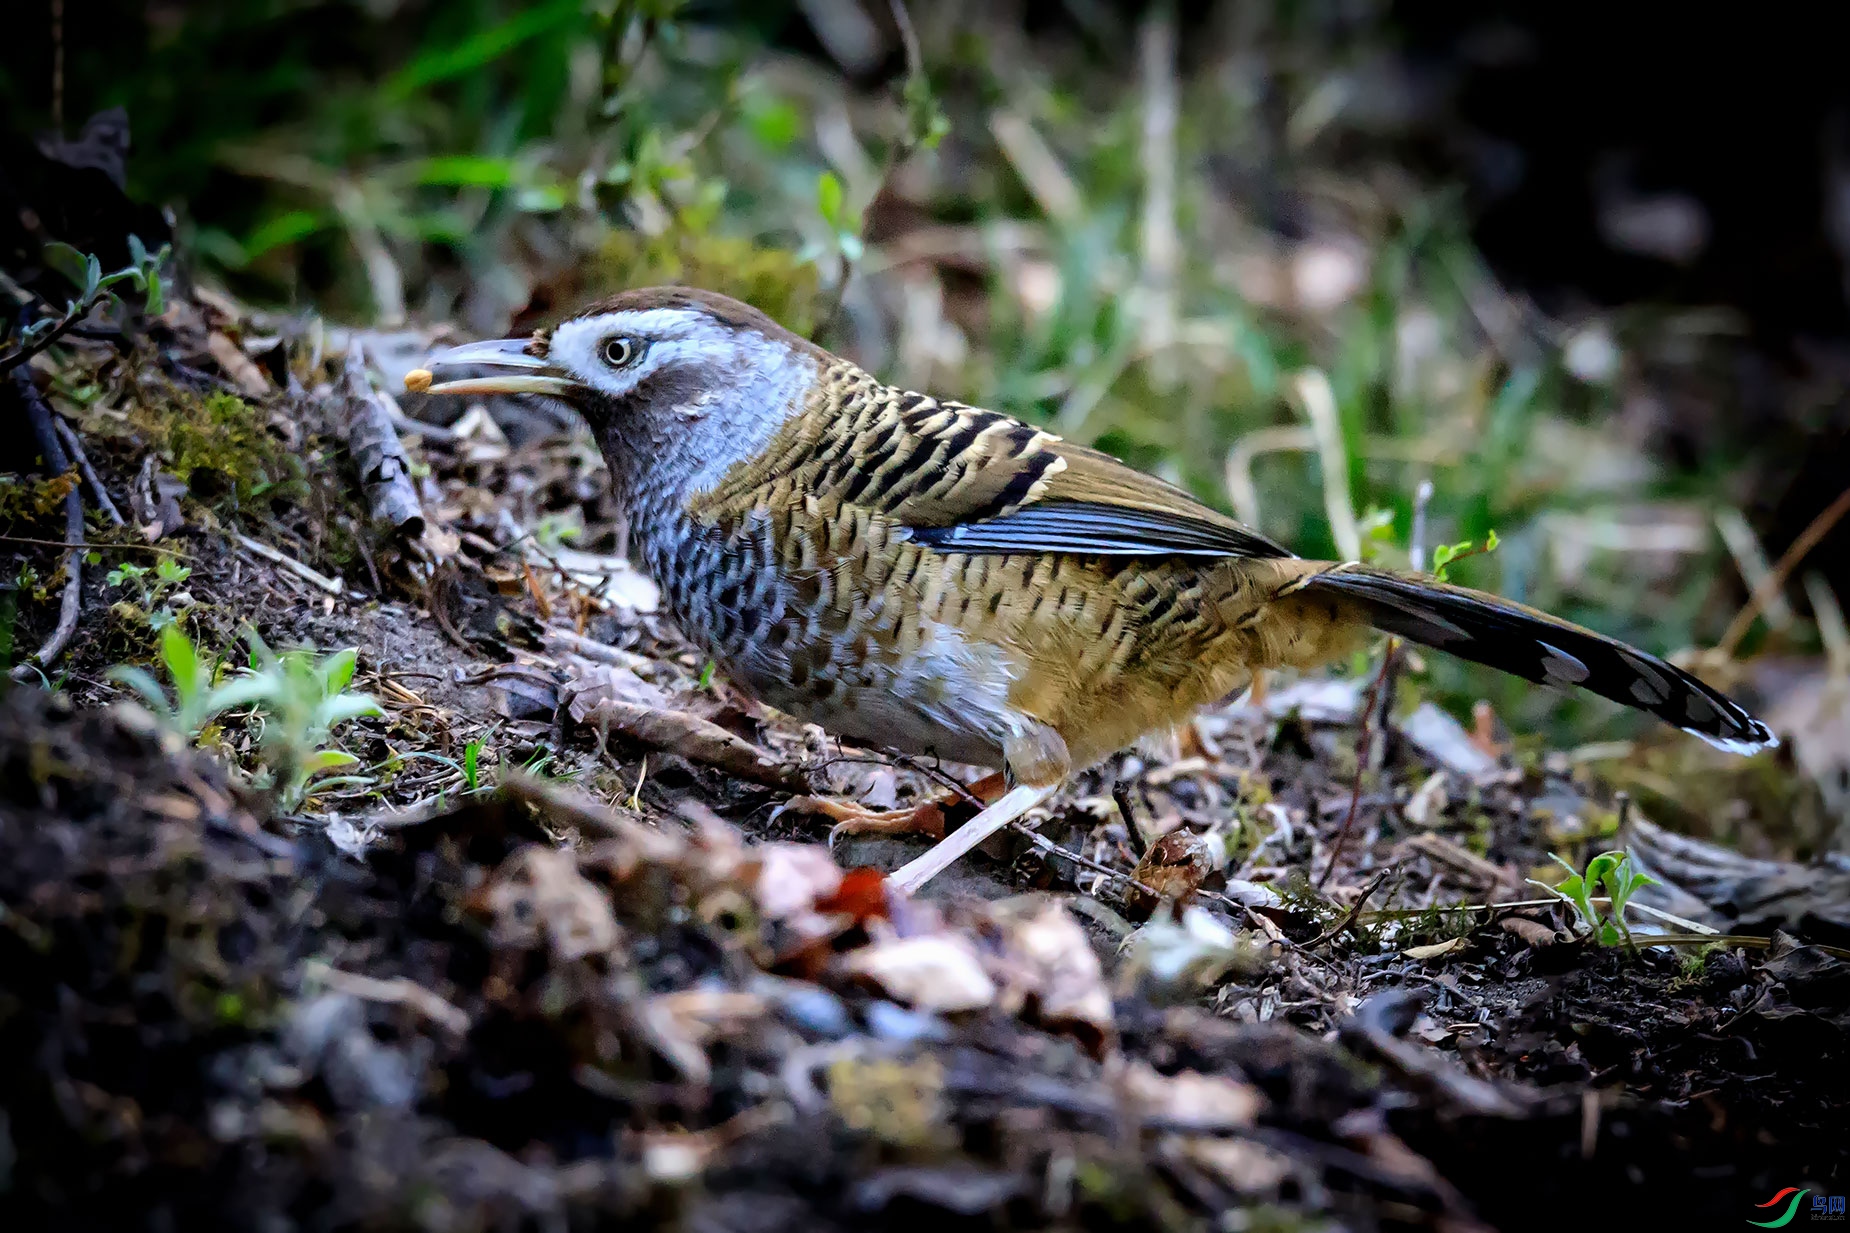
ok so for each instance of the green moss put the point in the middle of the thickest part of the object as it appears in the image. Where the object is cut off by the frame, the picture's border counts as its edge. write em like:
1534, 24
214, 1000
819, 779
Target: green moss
770, 279
221, 446
26, 500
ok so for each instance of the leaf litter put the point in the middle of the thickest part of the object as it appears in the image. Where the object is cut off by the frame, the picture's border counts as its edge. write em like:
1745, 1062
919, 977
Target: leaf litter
552, 955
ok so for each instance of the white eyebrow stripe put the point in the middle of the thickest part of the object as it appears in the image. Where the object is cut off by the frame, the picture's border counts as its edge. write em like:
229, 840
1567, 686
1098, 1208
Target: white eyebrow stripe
654, 321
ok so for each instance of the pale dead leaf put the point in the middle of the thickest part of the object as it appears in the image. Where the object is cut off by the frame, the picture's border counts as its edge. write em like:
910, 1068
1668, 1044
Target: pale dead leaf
1428, 801
1437, 950
540, 891
791, 877
1243, 1167
680, 1025
936, 972
600, 683
242, 370
1189, 1098
1048, 959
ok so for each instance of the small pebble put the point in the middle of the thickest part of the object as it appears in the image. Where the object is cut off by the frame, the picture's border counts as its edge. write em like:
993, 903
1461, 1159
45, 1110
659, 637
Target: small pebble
418, 380
817, 1011
892, 1022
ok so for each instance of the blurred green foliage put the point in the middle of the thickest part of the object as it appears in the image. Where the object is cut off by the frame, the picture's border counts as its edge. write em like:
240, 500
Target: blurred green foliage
477, 159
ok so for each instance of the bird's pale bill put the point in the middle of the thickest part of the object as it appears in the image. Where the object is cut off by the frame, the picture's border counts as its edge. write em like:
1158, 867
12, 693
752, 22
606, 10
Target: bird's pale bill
521, 372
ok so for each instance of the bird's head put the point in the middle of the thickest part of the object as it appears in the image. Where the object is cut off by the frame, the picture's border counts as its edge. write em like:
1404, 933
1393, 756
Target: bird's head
678, 384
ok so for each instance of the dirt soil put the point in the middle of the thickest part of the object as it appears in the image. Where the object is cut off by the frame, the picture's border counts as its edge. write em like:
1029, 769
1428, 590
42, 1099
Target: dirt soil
570, 953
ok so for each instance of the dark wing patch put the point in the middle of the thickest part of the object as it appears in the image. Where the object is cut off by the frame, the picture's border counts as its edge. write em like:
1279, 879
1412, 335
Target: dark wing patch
1094, 529
1487, 630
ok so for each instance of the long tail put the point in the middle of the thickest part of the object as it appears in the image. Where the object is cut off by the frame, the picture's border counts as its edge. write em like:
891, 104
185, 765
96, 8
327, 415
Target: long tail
1484, 629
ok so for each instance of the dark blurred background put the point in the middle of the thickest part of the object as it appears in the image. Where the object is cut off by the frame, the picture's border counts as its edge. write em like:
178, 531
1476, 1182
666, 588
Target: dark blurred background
1581, 266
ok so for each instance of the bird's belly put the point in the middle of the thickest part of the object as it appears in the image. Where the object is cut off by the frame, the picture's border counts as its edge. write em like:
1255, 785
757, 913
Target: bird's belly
942, 695
836, 648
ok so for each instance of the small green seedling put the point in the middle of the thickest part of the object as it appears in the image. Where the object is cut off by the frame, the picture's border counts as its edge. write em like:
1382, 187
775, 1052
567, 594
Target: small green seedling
85, 272
1446, 554
301, 698
843, 221
471, 766
152, 590
197, 697
1616, 874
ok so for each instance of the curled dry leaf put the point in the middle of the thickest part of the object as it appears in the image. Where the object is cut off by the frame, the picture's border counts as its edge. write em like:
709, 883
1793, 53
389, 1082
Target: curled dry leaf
1174, 867
1189, 1099
232, 361
539, 893
1050, 970
680, 1025
697, 740
1532, 932
861, 895
934, 972
792, 878
378, 454
1438, 950
600, 683
1186, 952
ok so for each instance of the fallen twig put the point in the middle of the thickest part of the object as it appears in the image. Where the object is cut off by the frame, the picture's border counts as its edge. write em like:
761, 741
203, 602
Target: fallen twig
1361, 761
1441, 849
39, 416
1052, 849
599, 652
1355, 910
399, 991
75, 448
158, 549
378, 454
289, 563
1788, 561
1374, 1032
698, 740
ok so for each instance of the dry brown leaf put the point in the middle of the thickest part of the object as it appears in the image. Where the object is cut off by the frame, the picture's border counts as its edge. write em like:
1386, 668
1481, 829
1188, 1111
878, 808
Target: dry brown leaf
1533, 932
697, 740
539, 890
1189, 1098
934, 972
232, 361
1173, 867
792, 877
1438, 950
1050, 968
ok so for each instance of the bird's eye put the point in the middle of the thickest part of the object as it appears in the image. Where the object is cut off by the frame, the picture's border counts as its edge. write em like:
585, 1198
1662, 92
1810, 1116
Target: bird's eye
621, 352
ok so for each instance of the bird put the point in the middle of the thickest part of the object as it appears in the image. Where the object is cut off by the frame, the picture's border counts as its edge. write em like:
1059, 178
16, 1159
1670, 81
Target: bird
944, 580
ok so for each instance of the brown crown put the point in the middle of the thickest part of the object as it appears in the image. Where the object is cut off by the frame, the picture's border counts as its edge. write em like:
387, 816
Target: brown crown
731, 313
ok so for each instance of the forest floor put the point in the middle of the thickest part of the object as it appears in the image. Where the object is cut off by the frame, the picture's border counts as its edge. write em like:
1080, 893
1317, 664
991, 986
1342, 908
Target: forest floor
562, 946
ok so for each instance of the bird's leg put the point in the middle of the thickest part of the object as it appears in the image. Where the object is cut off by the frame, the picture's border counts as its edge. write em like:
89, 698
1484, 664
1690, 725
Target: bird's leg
925, 818
908, 878
1036, 754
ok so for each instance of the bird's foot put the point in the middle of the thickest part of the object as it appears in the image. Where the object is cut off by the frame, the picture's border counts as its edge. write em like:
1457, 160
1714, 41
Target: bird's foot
925, 818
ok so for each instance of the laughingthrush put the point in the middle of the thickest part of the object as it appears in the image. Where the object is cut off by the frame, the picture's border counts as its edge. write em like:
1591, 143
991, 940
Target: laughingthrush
940, 579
